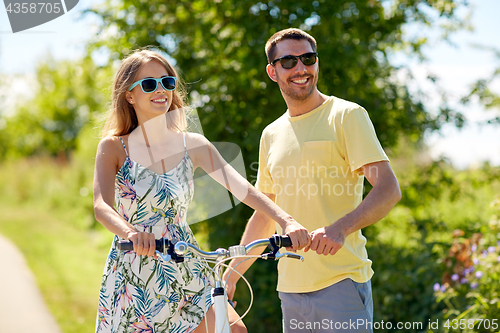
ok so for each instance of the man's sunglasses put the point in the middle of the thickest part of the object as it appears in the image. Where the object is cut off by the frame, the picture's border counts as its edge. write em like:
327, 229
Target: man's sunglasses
150, 85
289, 61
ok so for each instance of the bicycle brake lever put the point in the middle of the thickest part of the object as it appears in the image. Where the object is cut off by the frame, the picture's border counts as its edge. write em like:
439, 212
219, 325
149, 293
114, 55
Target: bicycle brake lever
169, 253
171, 256
289, 255
165, 257
277, 256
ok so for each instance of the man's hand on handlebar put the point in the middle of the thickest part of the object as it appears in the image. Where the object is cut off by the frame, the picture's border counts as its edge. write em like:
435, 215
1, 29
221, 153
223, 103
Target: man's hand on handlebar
327, 240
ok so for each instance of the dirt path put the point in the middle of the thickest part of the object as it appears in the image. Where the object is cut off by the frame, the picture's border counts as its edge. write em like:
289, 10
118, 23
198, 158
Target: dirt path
22, 309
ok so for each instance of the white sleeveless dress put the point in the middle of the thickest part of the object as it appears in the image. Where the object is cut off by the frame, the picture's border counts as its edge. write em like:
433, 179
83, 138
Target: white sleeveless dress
141, 294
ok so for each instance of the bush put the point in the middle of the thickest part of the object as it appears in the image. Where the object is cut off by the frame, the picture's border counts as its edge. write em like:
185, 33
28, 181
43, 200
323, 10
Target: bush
469, 288
402, 291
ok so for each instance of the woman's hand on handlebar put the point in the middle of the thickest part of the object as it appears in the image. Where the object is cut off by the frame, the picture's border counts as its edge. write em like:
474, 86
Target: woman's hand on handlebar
298, 234
144, 243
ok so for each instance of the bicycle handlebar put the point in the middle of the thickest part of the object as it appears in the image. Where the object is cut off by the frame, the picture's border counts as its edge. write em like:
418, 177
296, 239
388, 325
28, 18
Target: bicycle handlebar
177, 249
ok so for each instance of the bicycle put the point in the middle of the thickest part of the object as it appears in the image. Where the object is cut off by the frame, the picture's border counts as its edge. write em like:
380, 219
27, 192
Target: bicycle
178, 251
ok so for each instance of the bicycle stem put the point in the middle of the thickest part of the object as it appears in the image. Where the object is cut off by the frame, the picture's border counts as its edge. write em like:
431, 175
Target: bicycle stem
182, 248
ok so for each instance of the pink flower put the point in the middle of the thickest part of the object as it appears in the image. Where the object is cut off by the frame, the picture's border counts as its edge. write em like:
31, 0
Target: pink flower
123, 212
181, 303
165, 233
142, 326
123, 296
184, 300
127, 190
102, 313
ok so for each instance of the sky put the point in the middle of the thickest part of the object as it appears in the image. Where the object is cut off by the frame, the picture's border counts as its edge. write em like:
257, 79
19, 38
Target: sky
458, 66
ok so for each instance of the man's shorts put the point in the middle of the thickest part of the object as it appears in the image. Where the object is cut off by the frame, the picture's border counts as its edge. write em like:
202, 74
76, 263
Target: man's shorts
346, 306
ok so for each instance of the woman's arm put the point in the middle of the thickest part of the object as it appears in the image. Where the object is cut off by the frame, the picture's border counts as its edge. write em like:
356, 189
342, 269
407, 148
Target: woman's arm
106, 167
206, 156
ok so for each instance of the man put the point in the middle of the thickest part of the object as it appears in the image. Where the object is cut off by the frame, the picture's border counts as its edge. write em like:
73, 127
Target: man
313, 161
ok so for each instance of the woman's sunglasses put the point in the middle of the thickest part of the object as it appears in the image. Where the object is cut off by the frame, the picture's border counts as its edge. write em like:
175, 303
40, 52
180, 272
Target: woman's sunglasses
289, 61
150, 85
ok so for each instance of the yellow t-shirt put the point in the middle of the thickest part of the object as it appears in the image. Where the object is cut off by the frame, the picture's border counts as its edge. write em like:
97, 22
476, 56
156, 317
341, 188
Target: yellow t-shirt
311, 163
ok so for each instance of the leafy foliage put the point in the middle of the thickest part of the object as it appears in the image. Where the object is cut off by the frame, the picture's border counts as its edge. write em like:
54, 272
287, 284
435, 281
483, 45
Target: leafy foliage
402, 291
144, 302
408, 246
218, 45
469, 286
69, 95
483, 90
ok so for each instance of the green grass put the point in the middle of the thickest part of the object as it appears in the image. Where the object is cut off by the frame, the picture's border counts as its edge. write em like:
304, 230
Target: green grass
46, 216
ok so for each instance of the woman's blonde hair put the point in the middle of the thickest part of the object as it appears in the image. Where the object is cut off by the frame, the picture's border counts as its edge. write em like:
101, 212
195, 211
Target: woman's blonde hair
121, 117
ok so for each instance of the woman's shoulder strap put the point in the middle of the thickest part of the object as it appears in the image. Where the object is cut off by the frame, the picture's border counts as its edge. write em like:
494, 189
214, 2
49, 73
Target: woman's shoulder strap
184, 138
123, 144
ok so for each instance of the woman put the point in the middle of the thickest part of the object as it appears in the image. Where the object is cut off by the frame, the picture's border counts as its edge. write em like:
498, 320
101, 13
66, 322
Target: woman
146, 197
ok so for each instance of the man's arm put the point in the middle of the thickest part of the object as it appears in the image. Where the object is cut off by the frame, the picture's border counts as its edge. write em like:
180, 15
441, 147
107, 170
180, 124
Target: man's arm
259, 226
377, 204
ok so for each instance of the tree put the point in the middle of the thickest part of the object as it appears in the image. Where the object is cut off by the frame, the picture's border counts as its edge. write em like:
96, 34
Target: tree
218, 45
68, 95
484, 91
219, 48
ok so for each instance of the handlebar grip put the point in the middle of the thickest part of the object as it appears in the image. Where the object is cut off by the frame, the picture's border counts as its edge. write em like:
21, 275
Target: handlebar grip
125, 246
280, 241
129, 246
286, 241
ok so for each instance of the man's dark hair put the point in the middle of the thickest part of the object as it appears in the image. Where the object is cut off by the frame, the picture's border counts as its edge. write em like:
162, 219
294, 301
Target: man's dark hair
290, 33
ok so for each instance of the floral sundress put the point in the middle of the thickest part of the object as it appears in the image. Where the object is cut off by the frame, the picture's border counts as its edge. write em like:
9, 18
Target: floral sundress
141, 294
